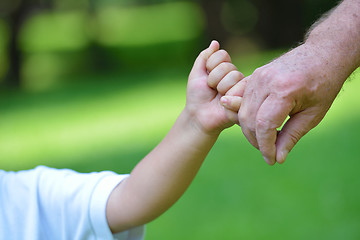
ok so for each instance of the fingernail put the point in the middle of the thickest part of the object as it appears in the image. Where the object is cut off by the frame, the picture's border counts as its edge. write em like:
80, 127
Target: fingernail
224, 101
283, 155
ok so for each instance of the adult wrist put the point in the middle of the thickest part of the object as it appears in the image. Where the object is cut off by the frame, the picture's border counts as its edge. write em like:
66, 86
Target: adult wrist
338, 45
328, 60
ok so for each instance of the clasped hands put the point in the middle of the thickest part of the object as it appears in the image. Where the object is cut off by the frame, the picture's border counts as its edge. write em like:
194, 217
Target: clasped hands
293, 87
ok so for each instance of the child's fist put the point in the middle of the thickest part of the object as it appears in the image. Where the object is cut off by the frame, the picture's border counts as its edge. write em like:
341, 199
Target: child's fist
223, 75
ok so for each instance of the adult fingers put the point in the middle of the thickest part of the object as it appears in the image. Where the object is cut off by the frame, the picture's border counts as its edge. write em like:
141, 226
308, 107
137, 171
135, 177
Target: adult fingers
199, 67
216, 58
220, 74
271, 116
253, 96
294, 129
231, 103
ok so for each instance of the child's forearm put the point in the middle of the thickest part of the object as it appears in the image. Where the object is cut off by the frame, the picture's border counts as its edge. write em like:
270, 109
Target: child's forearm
159, 180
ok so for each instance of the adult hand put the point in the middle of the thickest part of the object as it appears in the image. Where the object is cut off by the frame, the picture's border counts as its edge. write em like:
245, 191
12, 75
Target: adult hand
301, 84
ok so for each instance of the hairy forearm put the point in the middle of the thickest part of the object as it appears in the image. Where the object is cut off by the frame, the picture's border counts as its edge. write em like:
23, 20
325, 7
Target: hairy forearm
336, 38
159, 180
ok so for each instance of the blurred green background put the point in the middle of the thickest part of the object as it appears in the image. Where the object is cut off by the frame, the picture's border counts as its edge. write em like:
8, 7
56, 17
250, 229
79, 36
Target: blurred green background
94, 85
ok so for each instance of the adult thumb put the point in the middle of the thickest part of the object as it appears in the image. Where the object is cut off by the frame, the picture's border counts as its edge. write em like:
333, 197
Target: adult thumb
294, 129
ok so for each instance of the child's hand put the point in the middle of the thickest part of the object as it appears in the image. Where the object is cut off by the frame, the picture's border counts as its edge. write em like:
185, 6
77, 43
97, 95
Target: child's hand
212, 76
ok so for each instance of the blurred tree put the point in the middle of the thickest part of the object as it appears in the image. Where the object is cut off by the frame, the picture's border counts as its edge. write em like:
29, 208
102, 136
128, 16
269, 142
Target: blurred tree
277, 23
280, 22
239, 17
15, 14
283, 23
215, 28
314, 9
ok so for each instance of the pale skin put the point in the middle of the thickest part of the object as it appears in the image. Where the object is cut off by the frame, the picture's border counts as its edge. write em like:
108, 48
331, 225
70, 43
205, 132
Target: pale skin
162, 177
302, 84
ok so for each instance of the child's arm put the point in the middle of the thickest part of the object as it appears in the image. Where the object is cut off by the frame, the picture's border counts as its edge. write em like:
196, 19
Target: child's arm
159, 180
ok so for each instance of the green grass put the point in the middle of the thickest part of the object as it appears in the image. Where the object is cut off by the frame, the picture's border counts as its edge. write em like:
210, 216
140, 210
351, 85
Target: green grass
111, 122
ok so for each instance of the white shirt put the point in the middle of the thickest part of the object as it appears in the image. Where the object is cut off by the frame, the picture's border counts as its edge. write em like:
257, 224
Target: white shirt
46, 203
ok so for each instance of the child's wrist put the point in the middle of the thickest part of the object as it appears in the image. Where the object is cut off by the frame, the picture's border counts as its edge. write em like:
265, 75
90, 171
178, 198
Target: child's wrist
192, 122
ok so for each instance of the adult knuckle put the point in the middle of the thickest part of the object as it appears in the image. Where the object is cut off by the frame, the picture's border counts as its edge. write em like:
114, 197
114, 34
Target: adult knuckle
257, 71
264, 125
245, 121
242, 117
283, 81
264, 76
251, 127
270, 75
261, 124
289, 86
280, 85
262, 72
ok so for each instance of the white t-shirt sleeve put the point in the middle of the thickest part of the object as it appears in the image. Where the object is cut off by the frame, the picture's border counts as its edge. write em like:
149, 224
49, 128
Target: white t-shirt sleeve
98, 211
46, 203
